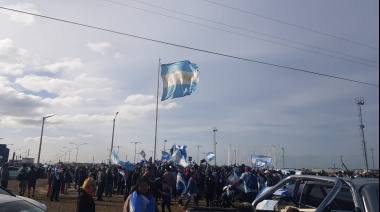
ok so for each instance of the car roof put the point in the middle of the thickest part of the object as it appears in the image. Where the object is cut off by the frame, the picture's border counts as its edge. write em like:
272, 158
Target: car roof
7, 198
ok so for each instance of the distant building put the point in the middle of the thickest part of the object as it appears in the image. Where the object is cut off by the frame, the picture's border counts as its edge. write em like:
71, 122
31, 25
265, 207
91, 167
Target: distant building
4, 154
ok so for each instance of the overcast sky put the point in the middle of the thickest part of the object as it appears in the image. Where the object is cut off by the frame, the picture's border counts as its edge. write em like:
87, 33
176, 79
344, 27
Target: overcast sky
272, 75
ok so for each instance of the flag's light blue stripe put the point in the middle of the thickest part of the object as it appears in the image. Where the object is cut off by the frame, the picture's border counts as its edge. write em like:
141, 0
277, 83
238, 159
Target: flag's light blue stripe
185, 66
179, 79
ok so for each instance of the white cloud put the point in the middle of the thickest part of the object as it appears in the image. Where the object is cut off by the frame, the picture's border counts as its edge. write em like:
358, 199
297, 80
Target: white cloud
64, 64
11, 58
21, 17
99, 47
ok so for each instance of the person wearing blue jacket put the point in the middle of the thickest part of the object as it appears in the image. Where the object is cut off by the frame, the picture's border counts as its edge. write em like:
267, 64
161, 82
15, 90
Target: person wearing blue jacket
191, 190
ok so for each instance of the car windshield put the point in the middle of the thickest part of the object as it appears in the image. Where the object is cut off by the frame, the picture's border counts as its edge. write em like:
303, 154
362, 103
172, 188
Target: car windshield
18, 206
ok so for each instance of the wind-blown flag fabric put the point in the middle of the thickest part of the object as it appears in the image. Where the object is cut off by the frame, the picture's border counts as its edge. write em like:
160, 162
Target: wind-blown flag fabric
179, 79
116, 160
179, 159
165, 156
261, 161
210, 156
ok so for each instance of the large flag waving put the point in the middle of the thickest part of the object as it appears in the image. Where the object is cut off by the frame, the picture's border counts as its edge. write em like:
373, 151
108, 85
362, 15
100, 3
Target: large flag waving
261, 161
179, 79
179, 159
210, 156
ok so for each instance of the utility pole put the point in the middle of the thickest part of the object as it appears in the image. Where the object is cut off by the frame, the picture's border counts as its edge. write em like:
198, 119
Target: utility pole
360, 102
215, 129
373, 160
198, 153
283, 157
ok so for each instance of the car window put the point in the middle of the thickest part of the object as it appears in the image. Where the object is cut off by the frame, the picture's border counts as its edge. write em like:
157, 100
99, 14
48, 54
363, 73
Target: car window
18, 206
13, 169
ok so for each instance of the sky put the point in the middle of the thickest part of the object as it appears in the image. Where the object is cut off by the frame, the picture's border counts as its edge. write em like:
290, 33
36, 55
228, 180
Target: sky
279, 78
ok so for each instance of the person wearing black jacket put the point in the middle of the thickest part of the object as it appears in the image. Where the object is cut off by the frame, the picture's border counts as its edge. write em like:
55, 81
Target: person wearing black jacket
56, 182
86, 202
31, 177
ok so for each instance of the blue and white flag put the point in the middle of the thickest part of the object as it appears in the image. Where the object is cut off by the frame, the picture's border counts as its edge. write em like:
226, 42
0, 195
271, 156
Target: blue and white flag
142, 153
182, 149
210, 156
261, 161
165, 156
181, 182
116, 160
179, 159
179, 79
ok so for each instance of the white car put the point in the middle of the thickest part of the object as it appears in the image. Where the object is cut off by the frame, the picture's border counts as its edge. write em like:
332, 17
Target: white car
13, 171
11, 202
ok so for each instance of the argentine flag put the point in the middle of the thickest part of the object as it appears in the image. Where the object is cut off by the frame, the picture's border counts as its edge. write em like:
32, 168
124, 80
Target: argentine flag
261, 161
210, 156
165, 156
179, 79
179, 159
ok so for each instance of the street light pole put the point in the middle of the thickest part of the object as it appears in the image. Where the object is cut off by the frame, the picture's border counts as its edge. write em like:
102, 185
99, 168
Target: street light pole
117, 148
76, 157
113, 131
198, 152
126, 157
215, 129
134, 159
204, 155
373, 161
42, 132
235, 156
69, 151
283, 157
164, 144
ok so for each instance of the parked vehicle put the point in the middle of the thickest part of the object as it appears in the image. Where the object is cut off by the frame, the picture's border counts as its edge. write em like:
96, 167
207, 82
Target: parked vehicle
18, 203
13, 171
317, 193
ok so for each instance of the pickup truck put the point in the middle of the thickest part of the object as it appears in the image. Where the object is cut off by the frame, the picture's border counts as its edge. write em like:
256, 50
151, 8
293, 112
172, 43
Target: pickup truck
312, 193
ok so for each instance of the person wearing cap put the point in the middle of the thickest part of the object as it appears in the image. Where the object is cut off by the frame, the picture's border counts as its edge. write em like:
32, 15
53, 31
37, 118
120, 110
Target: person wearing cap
85, 201
269, 179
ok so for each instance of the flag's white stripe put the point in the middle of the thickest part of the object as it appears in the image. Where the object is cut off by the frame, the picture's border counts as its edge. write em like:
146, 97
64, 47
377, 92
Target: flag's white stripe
179, 78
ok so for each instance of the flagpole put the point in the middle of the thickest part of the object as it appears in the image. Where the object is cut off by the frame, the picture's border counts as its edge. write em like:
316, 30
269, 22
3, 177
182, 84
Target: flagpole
155, 131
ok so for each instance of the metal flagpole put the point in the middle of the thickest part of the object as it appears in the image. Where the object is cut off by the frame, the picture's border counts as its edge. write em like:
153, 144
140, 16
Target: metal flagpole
155, 131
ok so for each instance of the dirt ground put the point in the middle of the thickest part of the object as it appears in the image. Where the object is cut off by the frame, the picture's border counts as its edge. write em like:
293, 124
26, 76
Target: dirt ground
69, 201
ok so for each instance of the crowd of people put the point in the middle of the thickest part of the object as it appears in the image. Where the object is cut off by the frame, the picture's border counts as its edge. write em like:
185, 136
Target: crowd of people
150, 186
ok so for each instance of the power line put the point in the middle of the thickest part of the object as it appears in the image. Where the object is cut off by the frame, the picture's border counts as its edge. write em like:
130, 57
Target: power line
191, 48
235, 27
248, 36
290, 24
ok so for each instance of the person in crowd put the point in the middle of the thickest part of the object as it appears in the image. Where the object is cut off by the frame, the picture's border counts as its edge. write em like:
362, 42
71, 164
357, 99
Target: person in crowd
108, 183
140, 200
120, 180
85, 201
210, 185
67, 179
82, 175
21, 177
249, 181
166, 197
56, 182
4, 175
191, 190
260, 180
101, 181
31, 177
270, 181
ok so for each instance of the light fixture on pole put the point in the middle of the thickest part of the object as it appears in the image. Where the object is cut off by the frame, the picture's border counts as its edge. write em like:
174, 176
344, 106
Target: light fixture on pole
283, 157
69, 151
134, 159
113, 131
215, 129
117, 148
76, 157
42, 132
198, 152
